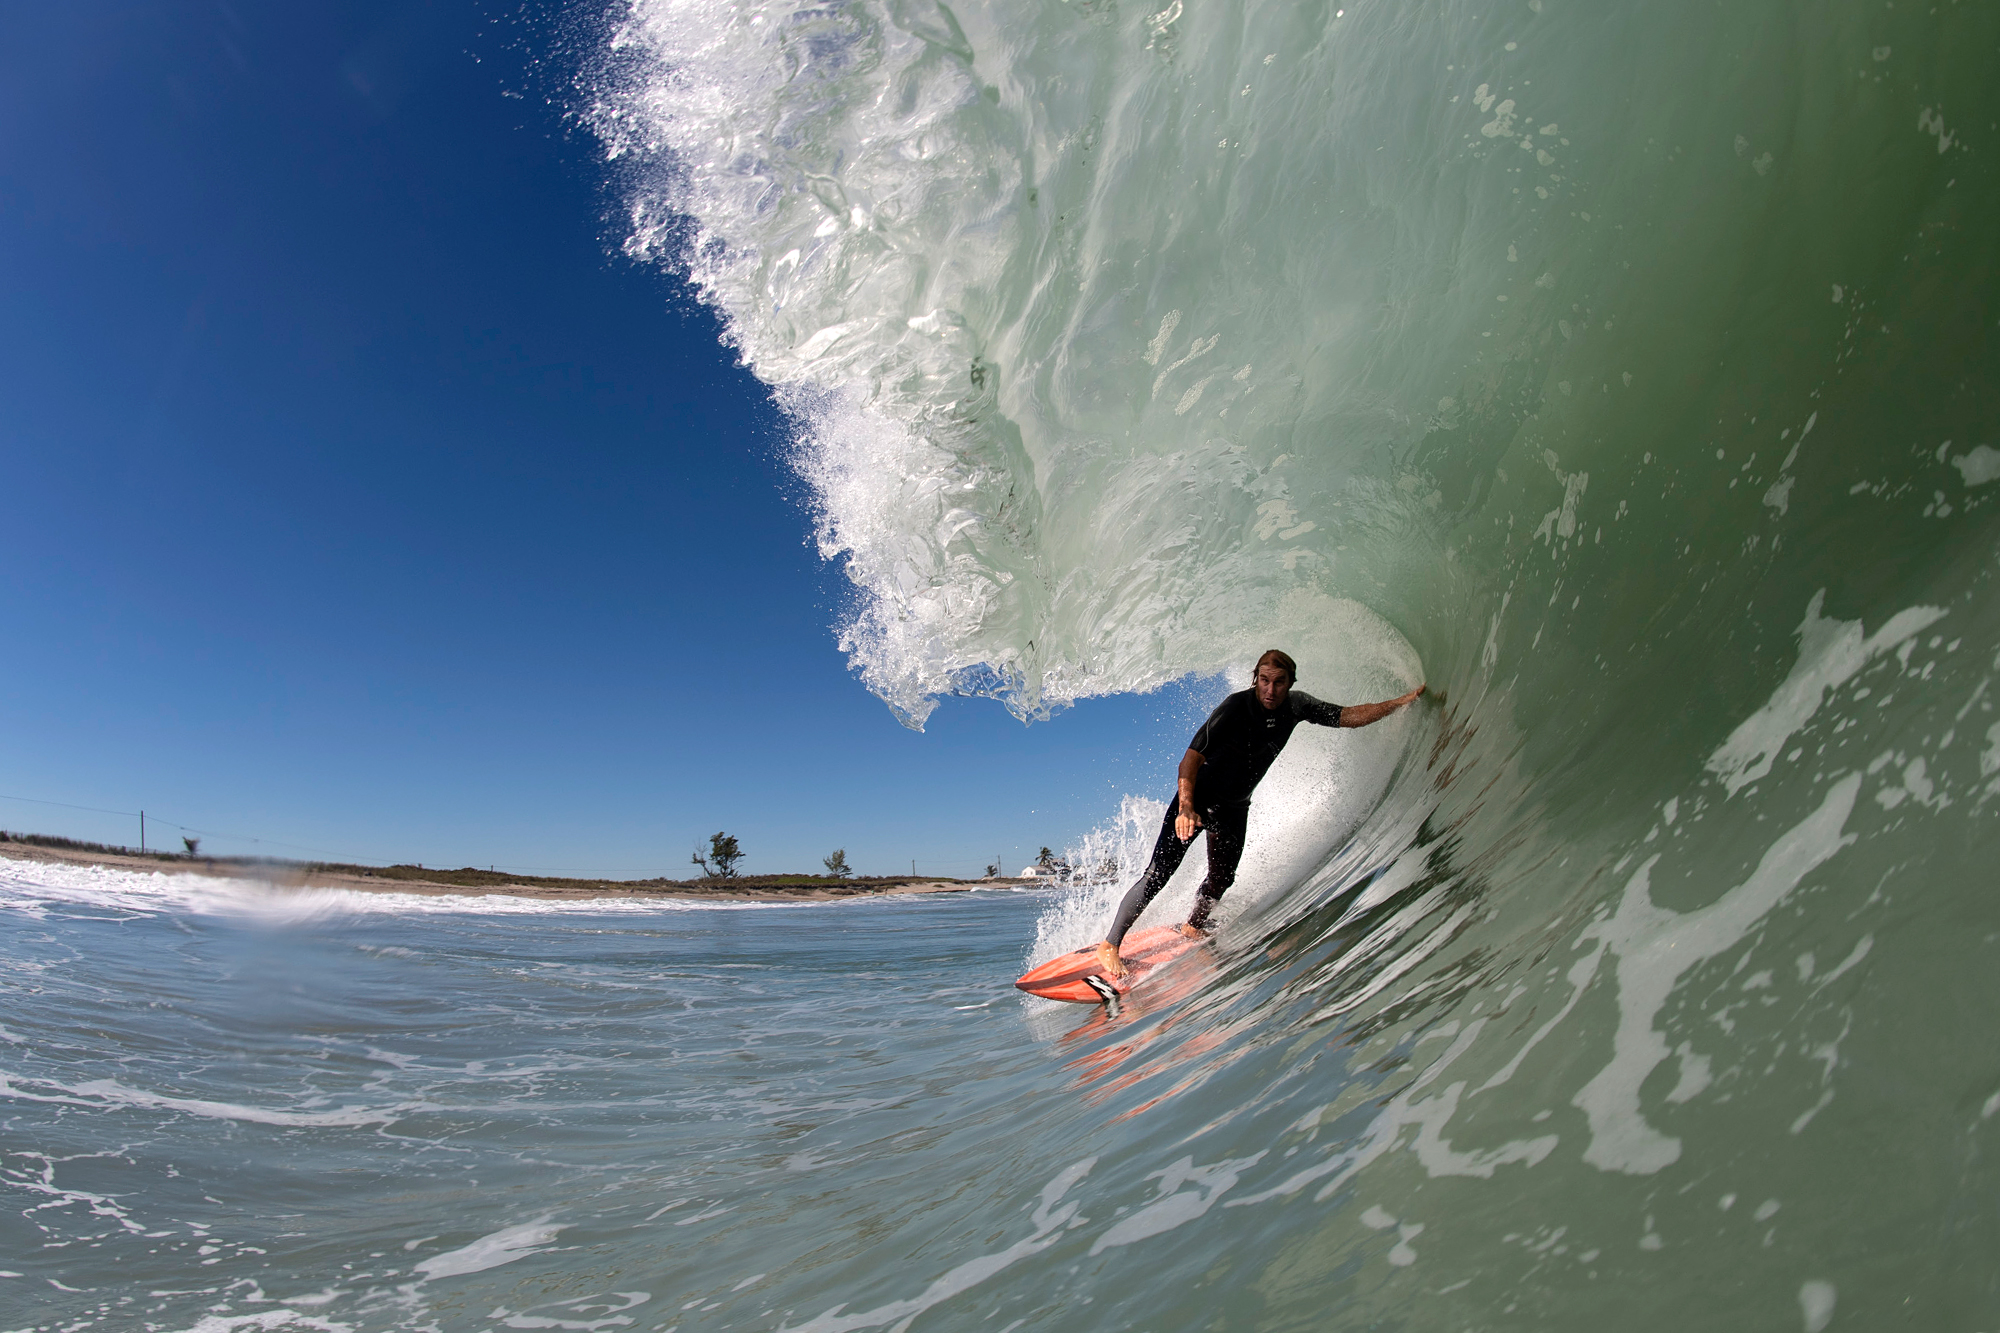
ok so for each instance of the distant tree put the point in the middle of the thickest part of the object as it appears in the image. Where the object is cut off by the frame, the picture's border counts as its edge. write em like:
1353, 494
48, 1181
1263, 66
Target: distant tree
836, 865
1052, 863
192, 844
993, 870
723, 854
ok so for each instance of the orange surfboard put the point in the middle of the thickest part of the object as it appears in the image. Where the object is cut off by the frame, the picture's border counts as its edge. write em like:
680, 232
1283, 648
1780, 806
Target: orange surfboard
1076, 977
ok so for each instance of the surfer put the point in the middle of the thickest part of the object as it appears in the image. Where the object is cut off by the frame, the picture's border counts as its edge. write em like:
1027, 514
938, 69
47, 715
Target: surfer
1224, 763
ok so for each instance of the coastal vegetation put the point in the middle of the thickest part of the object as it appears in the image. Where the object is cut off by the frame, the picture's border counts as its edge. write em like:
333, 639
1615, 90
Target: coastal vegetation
723, 853
471, 877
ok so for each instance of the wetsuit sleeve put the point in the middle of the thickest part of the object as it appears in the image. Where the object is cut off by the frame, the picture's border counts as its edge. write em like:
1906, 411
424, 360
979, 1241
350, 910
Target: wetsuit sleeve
1317, 711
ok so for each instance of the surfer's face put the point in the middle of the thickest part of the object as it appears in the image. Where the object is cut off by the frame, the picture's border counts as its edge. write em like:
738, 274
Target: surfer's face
1274, 685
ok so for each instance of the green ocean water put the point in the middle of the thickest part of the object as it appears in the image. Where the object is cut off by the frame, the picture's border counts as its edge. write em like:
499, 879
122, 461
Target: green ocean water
1625, 372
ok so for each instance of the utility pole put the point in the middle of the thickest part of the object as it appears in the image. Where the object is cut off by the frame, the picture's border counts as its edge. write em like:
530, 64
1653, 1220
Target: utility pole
913, 867
142, 833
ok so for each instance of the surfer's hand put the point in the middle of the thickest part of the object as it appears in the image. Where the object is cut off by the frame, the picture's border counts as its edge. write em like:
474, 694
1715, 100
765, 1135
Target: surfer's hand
1108, 959
1187, 823
1361, 715
1191, 930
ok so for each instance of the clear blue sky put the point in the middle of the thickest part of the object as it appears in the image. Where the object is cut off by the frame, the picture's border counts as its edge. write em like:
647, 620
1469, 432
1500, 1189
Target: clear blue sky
361, 498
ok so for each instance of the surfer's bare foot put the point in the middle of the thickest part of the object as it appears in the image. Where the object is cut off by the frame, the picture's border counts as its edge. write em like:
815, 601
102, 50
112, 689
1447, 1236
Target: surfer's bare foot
1192, 931
1108, 959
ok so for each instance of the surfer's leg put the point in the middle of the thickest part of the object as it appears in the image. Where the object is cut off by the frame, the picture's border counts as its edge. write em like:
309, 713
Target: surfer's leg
1226, 827
1168, 853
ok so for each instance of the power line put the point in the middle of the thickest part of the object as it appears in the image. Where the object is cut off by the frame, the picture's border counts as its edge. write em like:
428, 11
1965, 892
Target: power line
95, 809
184, 828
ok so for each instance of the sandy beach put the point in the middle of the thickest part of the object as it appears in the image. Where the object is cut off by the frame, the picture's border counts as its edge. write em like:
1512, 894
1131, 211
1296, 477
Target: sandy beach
467, 883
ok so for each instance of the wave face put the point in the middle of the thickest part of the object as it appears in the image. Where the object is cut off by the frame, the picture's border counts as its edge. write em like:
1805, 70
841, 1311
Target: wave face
1633, 368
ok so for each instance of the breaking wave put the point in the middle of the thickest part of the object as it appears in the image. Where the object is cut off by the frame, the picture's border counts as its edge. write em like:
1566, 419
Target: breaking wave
1624, 373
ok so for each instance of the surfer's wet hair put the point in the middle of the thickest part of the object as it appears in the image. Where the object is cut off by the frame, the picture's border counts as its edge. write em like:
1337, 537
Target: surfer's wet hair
1277, 657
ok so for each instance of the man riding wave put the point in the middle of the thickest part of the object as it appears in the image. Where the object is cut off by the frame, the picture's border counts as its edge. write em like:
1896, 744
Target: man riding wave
1224, 763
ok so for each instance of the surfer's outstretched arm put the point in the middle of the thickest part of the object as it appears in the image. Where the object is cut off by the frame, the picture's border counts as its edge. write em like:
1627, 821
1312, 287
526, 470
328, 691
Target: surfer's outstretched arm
1360, 715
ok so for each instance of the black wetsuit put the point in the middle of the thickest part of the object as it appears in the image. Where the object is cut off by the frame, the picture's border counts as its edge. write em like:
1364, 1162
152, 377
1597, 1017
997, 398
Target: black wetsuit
1238, 744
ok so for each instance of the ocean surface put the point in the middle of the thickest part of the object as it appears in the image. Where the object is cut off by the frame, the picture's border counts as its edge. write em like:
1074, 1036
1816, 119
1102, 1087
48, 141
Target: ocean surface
1627, 372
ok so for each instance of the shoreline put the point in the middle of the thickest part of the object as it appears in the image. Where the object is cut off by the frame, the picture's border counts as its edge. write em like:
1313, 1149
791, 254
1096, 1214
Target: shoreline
416, 880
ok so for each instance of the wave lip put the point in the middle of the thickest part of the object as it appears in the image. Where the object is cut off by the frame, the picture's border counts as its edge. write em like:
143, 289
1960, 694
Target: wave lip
1060, 435
826, 178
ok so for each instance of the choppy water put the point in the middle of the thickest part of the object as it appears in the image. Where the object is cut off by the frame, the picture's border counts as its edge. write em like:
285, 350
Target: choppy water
1625, 371
227, 1108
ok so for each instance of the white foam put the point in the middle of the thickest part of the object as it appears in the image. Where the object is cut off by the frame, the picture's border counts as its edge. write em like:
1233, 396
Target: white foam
1979, 466
1402, 1255
1177, 1207
1830, 653
42, 1181
491, 1251
1580, 974
1430, 1115
1816, 1301
612, 1313
36, 886
268, 1320
1049, 1221
1656, 947
105, 1093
